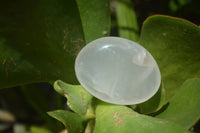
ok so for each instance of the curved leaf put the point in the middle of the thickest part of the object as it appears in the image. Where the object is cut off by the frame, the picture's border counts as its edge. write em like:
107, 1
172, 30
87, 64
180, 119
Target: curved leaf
121, 119
77, 97
40, 39
184, 107
174, 43
72, 121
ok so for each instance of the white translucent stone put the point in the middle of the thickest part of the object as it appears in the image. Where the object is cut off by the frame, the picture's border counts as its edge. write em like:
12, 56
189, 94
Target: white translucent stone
118, 71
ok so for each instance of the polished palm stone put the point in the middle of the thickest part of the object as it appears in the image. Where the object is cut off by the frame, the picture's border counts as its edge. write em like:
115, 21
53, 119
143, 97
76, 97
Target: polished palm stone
118, 71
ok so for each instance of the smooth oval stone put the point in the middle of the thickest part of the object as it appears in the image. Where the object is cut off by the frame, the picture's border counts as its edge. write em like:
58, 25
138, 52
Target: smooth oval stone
117, 71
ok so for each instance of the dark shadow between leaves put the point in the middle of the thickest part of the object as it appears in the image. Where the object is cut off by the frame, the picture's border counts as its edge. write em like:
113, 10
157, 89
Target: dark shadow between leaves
161, 110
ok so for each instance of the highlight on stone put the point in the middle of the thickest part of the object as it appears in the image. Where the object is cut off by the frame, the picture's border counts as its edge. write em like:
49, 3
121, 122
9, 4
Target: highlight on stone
118, 71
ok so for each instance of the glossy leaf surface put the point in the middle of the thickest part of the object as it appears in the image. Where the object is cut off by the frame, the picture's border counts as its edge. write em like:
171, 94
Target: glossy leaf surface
174, 43
121, 119
184, 107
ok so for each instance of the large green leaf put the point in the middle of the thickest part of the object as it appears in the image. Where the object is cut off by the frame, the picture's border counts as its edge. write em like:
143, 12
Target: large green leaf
121, 119
184, 107
95, 16
175, 45
40, 39
155, 103
127, 20
72, 121
78, 99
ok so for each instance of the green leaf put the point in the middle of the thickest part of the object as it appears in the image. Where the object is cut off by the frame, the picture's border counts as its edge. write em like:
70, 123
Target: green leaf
121, 119
174, 43
184, 107
95, 16
37, 129
72, 121
39, 40
155, 103
127, 21
77, 97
